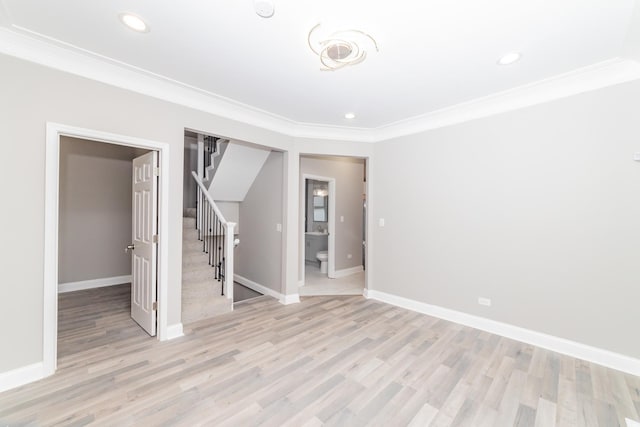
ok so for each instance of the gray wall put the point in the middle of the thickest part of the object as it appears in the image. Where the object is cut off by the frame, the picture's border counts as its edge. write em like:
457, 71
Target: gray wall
349, 176
94, 210
537, 209
32, 95
259, 255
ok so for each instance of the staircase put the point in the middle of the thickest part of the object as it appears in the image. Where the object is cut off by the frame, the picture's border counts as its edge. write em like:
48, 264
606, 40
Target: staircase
201, 292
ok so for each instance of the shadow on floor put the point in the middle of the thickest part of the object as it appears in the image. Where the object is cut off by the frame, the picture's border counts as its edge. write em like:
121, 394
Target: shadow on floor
242, 293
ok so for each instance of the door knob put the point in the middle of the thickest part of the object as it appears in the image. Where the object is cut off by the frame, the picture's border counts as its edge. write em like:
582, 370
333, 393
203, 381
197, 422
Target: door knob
129, 248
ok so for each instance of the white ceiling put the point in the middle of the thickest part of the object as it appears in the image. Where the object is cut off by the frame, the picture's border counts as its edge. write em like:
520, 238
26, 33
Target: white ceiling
433, 53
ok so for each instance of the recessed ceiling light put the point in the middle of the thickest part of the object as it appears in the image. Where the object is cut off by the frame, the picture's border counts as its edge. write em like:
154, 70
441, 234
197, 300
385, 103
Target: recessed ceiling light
349, 116
510, 58
134, 22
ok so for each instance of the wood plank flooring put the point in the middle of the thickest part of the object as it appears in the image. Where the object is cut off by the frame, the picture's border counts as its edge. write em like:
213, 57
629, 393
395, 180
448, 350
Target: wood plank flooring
336, 361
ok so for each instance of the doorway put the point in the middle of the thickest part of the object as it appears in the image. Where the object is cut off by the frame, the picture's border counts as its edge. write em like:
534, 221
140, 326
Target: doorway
52, 233
331, 211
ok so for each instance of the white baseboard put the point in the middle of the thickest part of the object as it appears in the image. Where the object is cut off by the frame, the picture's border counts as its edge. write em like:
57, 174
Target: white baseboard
560, 345
284, 299
348, 271
290, 299
257, 287
174, 331
93, 283
21, 376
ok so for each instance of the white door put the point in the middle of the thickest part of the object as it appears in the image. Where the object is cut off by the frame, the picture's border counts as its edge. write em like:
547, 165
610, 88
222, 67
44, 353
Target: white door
143, 262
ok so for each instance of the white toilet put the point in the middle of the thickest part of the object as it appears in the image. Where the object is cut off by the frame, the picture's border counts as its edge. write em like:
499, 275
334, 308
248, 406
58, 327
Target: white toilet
323, 257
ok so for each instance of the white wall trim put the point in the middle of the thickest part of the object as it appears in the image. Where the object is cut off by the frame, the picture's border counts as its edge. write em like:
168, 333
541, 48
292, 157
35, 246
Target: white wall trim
20, 376
596, 76
174, 331
560, 345
50, 282
348, 271
290, 299
257, 287
31, 46
93, 283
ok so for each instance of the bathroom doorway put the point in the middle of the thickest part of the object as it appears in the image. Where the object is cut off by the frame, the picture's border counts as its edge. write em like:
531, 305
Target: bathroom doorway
319, 225
331, 224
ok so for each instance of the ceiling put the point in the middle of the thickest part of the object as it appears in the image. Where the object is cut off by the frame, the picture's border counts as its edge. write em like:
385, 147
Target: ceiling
432, 54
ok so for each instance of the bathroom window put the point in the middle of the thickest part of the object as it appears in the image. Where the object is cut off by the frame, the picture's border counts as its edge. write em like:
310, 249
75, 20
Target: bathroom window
320, 209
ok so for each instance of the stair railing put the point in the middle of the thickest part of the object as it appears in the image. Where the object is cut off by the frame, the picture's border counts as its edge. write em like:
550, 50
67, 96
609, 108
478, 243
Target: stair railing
217, 237
210, 147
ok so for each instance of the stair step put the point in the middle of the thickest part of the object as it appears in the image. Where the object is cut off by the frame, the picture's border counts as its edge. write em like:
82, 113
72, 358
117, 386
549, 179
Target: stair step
193, 259
190, 213
198, 275
209, 294
201, 292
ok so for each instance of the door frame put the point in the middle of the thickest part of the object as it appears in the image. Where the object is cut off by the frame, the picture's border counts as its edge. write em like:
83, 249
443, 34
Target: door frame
331, 226
52, 177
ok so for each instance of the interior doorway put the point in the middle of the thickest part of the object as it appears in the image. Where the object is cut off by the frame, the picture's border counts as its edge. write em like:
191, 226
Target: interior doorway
99, 211
332, 191
155, 211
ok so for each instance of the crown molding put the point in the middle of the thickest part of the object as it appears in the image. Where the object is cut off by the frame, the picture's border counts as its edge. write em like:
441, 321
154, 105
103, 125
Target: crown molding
592, 77
34, 47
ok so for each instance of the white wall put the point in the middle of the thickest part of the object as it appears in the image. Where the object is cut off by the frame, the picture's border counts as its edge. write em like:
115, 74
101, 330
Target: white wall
349, 176
537, 209
259, 255
94, 210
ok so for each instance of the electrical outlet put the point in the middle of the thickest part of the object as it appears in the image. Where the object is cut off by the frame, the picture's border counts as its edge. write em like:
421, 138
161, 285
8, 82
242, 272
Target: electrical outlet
279, 227
349, 256
484, 301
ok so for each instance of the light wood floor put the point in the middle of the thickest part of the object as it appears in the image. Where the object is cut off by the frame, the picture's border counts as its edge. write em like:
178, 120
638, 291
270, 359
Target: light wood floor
342, 361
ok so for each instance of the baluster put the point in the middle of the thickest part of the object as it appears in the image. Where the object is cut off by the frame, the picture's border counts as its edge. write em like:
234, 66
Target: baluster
215, 245
212, 216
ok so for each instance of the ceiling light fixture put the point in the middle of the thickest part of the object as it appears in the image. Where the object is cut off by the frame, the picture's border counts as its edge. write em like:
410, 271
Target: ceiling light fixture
340, 48
510, 58
134, 22
349, 116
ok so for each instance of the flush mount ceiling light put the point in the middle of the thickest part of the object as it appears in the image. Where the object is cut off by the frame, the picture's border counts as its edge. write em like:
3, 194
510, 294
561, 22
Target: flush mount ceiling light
349, 116
134, 22
509, 58
340, 48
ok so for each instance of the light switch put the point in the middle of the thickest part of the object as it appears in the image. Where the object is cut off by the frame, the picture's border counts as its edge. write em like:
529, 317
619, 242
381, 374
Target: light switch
341, 218
279, 227
381, 222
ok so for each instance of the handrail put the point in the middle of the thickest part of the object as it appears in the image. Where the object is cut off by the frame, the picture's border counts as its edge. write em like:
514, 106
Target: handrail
206, 194
217, 236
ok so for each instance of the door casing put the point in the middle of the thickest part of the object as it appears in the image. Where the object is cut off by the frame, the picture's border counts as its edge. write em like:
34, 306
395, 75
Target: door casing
52, 177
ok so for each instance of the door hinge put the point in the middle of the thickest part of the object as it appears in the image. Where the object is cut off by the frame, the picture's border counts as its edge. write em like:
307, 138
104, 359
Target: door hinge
156, 171
155, 238
155, 305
